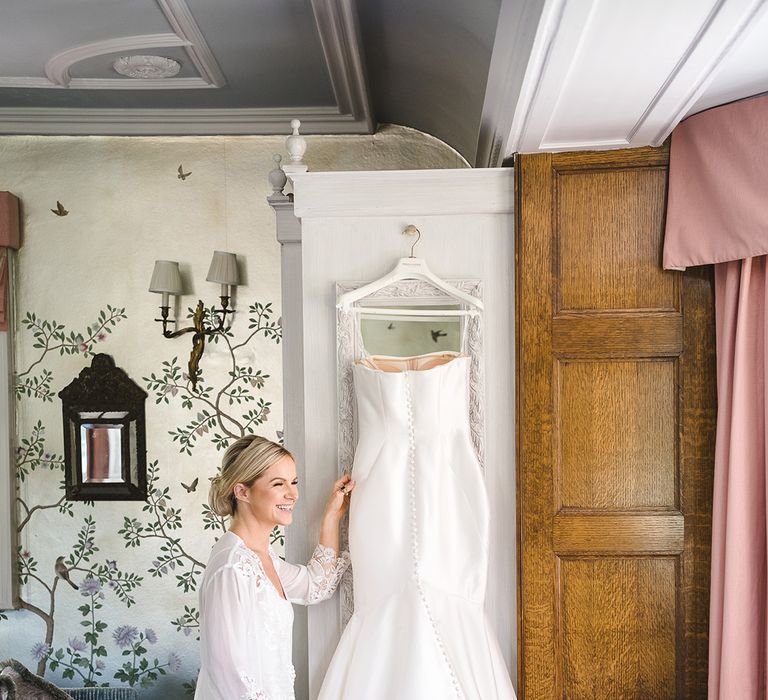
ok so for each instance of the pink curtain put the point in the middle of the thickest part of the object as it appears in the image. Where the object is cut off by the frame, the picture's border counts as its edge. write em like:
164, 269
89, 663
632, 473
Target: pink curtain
717, 212
737, 628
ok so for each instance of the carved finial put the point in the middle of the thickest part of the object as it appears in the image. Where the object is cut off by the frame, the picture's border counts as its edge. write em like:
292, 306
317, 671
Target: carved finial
277, 176
296, 145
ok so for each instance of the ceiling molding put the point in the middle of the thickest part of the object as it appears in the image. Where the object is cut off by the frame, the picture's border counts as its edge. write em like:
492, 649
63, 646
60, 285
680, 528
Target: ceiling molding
572, 99
186, 34
58, 65
515, 34
183, 23
549, 26
711, 57
338, 28
149, 122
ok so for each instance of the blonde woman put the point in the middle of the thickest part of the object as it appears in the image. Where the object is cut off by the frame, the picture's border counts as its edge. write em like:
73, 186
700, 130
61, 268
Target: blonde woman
246, 615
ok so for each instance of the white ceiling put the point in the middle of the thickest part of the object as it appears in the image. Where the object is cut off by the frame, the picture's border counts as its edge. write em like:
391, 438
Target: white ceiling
620, 73
489, 77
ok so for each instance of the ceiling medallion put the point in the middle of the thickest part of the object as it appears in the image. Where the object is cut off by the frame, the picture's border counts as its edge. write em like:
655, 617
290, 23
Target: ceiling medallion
146, 67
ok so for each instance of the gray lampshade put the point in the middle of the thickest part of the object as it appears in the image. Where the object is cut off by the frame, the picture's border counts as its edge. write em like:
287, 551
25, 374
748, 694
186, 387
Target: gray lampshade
166, 278
223, 268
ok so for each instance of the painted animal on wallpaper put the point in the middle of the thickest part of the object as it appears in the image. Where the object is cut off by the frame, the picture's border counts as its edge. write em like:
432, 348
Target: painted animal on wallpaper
63, 572
182, 175
193, 486
60, 210
436, 335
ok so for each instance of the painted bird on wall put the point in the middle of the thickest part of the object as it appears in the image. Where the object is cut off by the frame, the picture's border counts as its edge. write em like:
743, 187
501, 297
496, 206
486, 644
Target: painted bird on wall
182, 175
63, 572
60, 210
436, 335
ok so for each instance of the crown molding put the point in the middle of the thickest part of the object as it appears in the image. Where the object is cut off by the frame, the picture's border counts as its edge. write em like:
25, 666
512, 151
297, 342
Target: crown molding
515, 34
185, 34
183, 23
717, 38
176, 122
560, 108
549, 26
57, 67
338, 28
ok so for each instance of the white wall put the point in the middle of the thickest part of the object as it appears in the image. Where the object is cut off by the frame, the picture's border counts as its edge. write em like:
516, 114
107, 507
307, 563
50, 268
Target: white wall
351, 231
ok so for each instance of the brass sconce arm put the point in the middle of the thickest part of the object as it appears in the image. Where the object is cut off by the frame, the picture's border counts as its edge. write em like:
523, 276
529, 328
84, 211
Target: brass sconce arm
166, 280
200, 331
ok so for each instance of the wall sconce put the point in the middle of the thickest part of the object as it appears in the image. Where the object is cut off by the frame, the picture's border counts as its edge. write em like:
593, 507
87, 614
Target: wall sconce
166, 280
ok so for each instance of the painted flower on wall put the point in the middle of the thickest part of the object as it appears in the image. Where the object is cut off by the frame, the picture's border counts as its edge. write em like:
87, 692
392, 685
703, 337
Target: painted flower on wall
221, 410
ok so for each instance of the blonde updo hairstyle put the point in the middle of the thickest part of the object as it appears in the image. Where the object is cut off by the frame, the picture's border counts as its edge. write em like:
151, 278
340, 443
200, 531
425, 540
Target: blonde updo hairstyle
245, 460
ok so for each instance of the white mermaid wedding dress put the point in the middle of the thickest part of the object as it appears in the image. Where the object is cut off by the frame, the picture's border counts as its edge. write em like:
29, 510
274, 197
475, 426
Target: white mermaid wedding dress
418, 536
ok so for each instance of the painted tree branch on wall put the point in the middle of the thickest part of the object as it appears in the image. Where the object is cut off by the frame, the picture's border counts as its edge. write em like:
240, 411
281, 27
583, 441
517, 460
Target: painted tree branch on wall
221, 411
80, 656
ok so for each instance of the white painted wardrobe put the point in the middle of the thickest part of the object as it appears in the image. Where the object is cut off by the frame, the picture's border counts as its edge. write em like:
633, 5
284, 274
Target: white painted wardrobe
347, 227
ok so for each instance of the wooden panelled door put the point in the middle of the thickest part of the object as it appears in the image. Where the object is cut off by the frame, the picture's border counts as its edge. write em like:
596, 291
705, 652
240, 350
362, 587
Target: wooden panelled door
616, 418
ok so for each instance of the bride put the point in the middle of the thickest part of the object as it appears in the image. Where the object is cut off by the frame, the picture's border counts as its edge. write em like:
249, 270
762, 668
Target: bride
247, 590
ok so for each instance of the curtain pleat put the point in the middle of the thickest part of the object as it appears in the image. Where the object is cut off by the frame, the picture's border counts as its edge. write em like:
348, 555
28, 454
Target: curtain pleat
739, 586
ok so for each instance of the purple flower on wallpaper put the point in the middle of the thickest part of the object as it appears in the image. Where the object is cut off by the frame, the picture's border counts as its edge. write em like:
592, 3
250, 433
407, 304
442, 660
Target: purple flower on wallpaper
26, 554
83, 347
99, 664
90, 586
77, 644
187, 631
40, 651
124, 635
149, 635
174, 663
101, 336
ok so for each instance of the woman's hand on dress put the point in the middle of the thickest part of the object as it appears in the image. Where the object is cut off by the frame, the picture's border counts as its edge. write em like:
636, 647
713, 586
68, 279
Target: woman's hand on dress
338, 501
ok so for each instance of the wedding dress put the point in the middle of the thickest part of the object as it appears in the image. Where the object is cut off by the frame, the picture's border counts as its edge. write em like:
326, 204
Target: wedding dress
418, 536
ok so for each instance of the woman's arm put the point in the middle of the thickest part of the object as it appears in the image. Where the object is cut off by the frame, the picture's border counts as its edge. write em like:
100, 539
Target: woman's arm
317, 580
232, 634
336, 506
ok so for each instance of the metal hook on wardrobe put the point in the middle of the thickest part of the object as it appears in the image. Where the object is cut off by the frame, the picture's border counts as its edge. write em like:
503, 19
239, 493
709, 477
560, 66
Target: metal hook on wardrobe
411, 230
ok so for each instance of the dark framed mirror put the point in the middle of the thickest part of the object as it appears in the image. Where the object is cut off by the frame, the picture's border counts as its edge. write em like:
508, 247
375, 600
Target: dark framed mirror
105, 456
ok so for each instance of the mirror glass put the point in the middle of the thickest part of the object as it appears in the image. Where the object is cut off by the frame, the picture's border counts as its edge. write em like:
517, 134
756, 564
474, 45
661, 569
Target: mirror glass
102, 451
404, 336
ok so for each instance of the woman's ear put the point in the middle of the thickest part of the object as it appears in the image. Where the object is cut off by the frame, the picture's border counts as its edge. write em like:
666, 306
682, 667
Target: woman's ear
241, 492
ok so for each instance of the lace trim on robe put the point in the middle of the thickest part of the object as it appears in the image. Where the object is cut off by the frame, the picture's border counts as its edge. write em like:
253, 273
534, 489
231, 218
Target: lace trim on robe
249, 566
252, 689
325, 571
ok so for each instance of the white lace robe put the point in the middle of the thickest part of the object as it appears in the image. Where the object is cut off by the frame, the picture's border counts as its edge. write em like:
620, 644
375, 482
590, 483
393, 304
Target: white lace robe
246, 625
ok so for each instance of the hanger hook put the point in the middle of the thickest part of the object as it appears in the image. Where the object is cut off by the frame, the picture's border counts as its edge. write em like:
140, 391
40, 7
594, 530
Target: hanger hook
411, 230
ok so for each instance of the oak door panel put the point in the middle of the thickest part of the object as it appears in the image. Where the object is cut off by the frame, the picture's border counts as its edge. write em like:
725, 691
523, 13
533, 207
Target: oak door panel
616, 415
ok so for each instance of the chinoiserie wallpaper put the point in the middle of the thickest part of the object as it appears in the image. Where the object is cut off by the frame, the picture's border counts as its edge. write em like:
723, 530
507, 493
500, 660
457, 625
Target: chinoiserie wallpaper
108, 589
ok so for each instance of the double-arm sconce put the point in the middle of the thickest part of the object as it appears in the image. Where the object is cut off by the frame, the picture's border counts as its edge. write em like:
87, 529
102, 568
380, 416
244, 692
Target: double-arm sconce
166, 280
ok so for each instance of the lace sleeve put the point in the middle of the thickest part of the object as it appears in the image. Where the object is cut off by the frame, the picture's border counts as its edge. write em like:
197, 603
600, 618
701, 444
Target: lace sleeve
317, 580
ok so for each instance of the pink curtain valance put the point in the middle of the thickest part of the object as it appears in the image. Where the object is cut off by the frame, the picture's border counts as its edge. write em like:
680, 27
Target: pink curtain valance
717, 207
10, 237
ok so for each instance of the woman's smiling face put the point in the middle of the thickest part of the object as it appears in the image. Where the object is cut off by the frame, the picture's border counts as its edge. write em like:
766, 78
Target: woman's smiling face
273, 495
